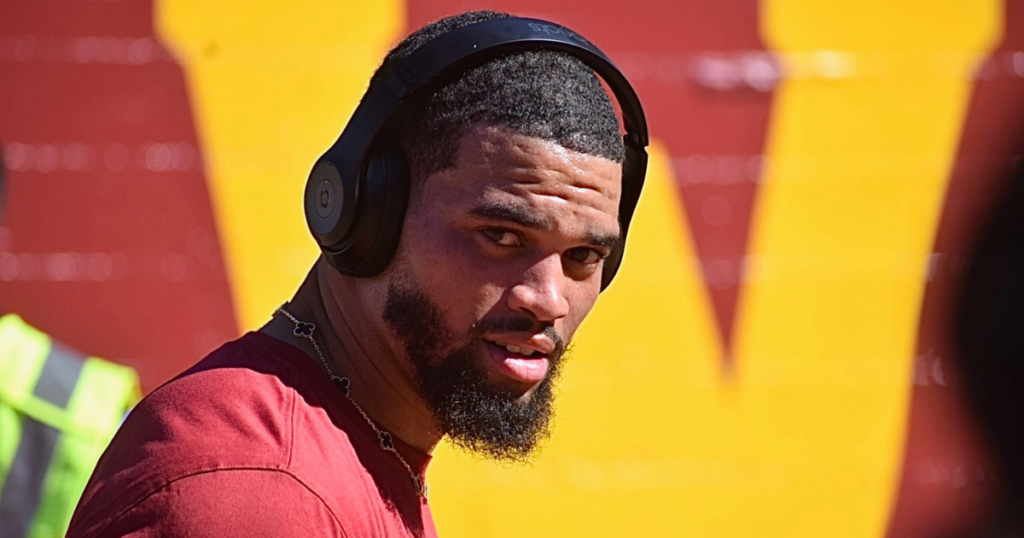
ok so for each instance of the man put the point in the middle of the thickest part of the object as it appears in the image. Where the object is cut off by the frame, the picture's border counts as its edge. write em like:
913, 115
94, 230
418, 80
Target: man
322, 423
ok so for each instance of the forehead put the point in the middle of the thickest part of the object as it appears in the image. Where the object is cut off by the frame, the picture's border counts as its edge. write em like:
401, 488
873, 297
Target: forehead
497, 165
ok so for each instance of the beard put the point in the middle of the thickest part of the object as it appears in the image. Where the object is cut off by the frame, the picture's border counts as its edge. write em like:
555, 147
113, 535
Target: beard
476, 415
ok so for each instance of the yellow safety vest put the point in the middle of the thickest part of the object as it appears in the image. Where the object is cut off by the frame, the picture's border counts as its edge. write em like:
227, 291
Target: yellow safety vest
58, 411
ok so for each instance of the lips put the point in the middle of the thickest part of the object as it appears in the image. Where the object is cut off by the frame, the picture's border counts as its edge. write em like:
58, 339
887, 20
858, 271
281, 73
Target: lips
521, 363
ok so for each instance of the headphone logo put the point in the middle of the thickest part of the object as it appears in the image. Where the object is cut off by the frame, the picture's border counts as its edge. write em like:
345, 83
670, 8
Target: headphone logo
555, 29
325, 196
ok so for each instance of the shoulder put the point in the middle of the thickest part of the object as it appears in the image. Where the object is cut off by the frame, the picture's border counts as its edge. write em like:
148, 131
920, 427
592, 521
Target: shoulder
240, 396
225, 503
234, 409
243, 392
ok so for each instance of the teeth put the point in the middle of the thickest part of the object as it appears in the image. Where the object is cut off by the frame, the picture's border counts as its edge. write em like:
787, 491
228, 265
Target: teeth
526, 352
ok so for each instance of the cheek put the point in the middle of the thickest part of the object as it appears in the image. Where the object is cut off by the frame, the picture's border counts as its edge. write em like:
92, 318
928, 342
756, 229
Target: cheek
448, 255
443, 267
441, 262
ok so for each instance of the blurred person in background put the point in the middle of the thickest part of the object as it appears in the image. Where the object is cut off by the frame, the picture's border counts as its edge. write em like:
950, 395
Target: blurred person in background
58, 410
989, 331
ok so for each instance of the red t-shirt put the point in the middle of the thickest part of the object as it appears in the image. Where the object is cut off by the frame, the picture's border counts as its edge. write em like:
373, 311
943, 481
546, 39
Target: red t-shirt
254, 440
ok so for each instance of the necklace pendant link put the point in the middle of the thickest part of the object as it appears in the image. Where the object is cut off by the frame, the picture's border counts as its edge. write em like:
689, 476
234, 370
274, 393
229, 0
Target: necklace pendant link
304, 329
342, 383
420, 486
385, 441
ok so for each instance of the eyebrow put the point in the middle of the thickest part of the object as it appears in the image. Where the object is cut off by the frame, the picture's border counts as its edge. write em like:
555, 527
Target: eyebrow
513, 213
522, 216
610, 241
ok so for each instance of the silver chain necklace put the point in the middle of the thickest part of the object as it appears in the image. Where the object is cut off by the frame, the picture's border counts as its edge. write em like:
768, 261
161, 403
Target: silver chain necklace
305, 330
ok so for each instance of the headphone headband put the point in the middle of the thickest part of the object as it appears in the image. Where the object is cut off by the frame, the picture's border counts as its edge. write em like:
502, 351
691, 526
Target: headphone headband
476, 43
454, 52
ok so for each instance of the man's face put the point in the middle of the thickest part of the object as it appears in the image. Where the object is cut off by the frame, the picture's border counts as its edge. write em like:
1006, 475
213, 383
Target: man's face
500, 261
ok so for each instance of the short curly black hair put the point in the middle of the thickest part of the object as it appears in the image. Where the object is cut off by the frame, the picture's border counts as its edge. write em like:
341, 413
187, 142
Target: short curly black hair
545, 94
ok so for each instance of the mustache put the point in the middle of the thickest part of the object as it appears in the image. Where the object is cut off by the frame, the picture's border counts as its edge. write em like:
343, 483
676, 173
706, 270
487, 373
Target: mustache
520, 324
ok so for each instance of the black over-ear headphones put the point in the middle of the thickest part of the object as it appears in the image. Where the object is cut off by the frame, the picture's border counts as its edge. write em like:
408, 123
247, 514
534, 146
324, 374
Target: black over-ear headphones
358, 191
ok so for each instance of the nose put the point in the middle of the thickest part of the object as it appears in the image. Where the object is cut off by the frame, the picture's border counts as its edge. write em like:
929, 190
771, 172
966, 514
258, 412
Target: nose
541, 291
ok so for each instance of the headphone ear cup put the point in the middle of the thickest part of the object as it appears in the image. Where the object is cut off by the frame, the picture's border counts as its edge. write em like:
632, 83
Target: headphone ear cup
634, 168
330, 204
383, 199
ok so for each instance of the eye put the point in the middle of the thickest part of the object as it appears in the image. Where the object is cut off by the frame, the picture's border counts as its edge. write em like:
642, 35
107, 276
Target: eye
501, 236
585, 256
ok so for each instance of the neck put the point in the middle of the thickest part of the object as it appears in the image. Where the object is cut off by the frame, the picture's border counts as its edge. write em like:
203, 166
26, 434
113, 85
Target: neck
355, 344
